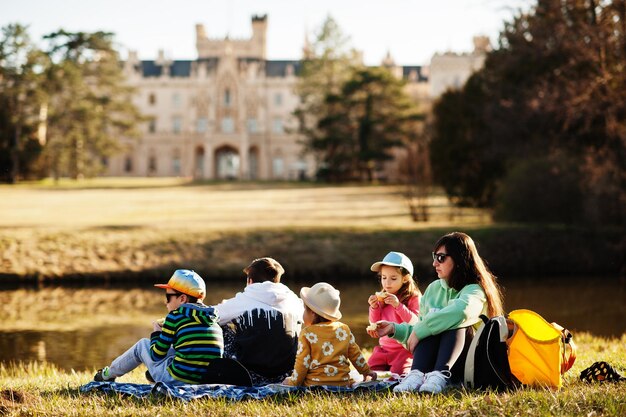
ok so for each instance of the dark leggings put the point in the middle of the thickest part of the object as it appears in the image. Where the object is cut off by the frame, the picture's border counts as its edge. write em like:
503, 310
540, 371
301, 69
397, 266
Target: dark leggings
444, 352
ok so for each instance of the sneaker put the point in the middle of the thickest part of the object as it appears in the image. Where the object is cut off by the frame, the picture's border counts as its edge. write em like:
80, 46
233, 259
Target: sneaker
149, 377
103, 375
412, 382
435, 382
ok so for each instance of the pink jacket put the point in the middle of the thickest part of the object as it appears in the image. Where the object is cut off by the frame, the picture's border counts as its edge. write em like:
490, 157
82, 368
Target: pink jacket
401, 314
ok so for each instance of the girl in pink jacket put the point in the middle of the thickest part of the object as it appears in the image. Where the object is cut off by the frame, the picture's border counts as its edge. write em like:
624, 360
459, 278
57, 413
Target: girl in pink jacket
398, 302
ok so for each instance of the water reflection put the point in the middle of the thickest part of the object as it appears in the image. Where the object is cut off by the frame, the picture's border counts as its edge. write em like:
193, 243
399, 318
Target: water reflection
596, 306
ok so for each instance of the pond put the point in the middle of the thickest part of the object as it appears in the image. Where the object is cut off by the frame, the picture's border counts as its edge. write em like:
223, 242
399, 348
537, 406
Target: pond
593, 305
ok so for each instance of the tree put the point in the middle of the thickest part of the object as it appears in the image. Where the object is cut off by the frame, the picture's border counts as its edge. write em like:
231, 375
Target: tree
89, 106
325, 66
21, 64
368, 118
555, 88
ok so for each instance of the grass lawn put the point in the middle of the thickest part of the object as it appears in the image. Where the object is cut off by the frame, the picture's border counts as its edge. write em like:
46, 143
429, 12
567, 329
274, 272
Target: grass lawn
110, 226
33, 389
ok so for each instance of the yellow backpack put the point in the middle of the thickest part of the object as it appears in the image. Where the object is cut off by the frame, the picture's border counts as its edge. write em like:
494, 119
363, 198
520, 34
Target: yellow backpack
539, 352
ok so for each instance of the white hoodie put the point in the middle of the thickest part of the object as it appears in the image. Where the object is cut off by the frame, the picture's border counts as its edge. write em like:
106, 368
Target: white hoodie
266, 319
268, 296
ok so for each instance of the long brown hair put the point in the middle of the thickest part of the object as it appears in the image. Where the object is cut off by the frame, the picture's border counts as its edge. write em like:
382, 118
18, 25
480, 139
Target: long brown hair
408, 289
470, 268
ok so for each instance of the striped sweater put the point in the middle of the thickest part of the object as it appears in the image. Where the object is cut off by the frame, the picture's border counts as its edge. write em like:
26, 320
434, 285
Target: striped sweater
193, 332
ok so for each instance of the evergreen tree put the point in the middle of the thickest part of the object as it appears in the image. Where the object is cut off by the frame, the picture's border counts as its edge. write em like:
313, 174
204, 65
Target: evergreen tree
325, 66
371, 116
89, 107
21, 64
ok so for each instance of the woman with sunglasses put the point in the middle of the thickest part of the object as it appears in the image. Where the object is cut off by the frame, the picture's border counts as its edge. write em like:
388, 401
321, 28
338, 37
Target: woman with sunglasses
449, 309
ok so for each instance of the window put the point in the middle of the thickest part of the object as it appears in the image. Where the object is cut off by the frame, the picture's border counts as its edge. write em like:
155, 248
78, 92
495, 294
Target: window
278, 99
228, 125
176, 162
152, 126
277, 127
176, 101
202, 124
227, 98
177, 124
152, 99
252, 125
152, 164
278, 167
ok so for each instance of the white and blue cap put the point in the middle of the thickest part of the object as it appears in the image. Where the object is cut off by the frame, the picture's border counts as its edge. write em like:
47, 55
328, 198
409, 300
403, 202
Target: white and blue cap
394, 259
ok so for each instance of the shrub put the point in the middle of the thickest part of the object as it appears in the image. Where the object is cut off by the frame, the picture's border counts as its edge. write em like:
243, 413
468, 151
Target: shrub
541, 190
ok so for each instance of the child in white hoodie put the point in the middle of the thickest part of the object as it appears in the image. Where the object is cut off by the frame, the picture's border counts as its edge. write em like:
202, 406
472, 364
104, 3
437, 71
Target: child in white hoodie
261, 324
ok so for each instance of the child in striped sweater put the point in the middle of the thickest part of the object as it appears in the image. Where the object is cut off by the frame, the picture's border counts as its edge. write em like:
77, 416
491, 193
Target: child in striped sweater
181, 347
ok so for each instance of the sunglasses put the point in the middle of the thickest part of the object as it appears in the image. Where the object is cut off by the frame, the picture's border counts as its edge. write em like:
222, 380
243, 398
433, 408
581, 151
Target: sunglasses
168, 295
439, 257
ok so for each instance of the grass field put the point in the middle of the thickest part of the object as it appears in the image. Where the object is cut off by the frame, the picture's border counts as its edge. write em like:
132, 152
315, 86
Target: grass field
167, 204
35, 389
130, 229
109, 226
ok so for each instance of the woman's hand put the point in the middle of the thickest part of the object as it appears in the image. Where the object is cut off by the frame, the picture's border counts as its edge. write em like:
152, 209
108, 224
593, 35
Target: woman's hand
373, 301
392, 299
412, 342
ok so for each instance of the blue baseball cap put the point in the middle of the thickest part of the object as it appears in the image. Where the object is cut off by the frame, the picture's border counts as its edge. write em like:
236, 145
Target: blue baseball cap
394, 259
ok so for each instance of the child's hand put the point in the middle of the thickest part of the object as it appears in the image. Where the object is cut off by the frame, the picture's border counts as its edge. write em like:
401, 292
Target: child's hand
371, 330
370, 376
373, 301
383, 328
392, 299
157, 326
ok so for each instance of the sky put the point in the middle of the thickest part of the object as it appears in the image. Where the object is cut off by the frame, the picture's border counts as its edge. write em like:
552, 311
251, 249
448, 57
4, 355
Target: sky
411, 30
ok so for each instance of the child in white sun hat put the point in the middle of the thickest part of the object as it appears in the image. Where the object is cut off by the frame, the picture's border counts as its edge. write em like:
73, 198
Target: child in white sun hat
325, 346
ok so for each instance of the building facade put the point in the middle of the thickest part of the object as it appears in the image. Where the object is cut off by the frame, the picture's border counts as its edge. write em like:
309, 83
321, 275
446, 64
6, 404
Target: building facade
225, 115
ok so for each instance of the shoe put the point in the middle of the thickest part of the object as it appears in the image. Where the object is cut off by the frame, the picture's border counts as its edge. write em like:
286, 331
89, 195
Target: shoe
412, 382
435, 382
149, 377
599, 372
103, 375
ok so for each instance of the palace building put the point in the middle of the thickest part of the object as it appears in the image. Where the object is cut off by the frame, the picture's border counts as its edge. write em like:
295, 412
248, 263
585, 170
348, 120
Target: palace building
228, 113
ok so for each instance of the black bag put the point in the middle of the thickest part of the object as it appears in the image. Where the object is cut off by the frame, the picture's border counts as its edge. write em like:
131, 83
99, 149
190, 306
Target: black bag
487, 363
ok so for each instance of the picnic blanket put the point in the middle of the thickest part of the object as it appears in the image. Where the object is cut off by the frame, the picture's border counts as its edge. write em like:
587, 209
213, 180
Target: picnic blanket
231, 392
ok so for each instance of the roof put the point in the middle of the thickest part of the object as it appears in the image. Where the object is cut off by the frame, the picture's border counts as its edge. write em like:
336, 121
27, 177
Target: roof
182, 68
279, 68
406, 71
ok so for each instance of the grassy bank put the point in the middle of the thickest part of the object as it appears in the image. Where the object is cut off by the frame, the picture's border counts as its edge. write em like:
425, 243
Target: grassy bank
142, 229
33, 389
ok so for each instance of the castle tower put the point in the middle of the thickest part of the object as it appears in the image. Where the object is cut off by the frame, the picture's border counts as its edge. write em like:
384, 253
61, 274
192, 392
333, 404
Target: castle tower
259, 33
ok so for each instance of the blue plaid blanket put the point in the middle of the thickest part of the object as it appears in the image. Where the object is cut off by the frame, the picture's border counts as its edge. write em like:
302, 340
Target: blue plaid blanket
231, 392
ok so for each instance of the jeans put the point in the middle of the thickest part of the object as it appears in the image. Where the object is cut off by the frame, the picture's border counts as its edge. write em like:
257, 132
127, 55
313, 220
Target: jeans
445, 351
140, 353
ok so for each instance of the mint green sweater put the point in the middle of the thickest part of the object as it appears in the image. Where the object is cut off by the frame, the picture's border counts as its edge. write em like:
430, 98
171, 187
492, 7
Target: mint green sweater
443, 308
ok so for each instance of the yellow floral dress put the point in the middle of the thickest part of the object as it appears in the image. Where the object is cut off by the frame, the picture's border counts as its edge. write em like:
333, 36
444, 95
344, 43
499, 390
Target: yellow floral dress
325, 351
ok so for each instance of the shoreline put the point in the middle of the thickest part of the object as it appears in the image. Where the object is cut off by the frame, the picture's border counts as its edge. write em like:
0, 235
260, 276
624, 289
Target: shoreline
125, 257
